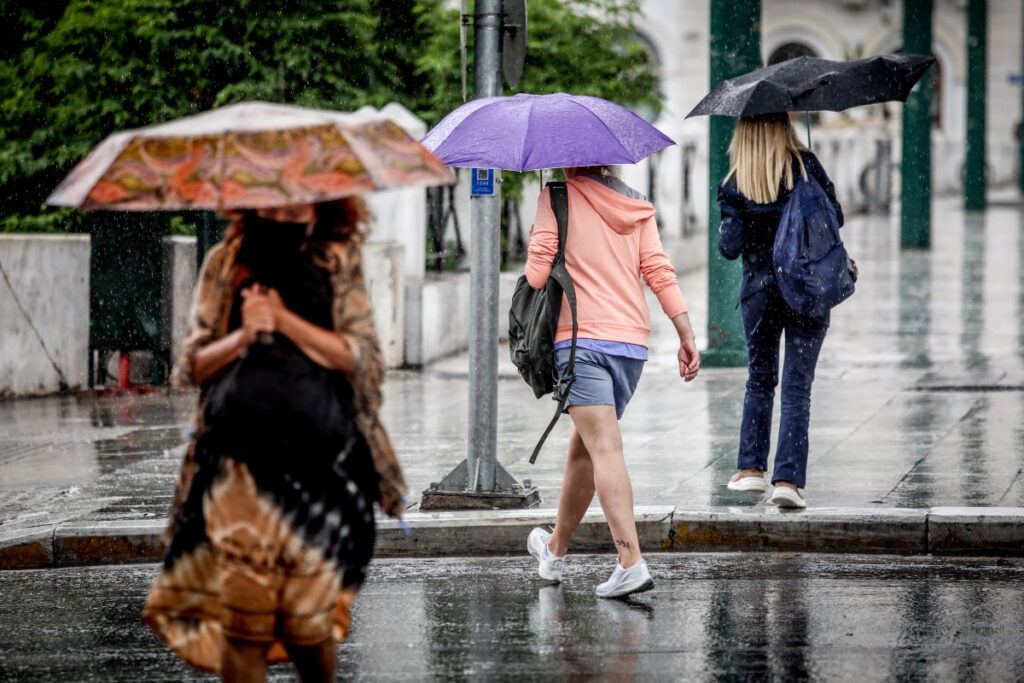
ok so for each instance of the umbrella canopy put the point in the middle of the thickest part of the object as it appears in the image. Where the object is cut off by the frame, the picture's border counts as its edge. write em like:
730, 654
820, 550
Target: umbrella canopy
248, 156
812, 84
531, 132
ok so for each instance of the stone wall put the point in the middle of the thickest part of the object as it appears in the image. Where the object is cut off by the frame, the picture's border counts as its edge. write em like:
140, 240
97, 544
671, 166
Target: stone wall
384, 266
437, 321
49, 276
179, 281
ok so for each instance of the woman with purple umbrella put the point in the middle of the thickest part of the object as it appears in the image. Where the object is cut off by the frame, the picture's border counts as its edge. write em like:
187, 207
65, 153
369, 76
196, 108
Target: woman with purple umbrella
612, 238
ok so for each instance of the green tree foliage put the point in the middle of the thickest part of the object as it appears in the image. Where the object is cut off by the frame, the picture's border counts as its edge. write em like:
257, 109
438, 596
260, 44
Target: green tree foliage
74, 72
585, 47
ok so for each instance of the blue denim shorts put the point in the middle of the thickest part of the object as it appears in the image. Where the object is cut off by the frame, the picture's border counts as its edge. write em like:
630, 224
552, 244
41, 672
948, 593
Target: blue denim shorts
601, 379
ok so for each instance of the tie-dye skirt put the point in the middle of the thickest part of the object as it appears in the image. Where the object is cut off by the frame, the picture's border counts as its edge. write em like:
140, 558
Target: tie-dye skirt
267, 548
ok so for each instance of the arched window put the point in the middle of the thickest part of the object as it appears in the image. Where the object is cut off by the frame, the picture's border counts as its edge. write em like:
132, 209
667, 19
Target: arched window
792, 50
653, 67
788, 51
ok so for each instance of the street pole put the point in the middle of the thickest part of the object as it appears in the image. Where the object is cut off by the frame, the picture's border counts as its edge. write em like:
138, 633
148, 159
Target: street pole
916, 204
974, 166
484, 267
480, 481
1020, 126
735, 43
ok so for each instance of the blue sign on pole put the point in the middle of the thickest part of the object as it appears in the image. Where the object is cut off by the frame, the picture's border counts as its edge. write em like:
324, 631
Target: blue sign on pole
483, 182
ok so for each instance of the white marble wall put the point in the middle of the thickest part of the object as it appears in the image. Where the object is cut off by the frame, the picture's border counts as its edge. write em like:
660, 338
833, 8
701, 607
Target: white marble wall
49, 276
179, 281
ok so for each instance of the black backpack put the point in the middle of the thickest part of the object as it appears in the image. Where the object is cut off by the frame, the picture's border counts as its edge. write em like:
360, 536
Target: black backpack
533, 319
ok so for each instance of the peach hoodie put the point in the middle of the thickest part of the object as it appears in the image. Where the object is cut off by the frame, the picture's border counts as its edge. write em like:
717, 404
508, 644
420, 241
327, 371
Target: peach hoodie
613, 242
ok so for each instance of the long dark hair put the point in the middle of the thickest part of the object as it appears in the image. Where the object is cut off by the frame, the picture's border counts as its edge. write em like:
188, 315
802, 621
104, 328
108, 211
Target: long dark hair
263, 242
340, 220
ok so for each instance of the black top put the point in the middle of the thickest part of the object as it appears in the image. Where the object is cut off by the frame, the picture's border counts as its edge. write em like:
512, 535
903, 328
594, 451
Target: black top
288, 419
749, 228
275, 399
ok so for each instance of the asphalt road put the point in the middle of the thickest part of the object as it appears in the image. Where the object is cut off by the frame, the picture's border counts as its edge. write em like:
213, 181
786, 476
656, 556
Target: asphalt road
711, 617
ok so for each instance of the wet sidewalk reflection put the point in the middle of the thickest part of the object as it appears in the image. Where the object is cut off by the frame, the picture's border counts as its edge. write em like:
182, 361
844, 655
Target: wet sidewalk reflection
711, 617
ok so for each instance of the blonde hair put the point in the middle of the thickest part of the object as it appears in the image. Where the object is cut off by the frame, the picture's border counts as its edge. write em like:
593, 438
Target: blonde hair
761, 155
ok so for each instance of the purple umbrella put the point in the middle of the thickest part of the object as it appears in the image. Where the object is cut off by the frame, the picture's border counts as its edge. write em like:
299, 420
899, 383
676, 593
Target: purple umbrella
531, 132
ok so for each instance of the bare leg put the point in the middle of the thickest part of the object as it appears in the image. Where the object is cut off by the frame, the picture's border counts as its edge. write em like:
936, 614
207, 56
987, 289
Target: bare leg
599, 430
577, 492
243, 661
315, 663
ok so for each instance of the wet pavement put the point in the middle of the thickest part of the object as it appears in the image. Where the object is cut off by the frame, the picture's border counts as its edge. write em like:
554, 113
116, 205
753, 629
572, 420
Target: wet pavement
711, 617
918, 402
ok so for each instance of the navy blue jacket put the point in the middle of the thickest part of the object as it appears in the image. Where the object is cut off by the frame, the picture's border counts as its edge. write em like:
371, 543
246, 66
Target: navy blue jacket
748, 229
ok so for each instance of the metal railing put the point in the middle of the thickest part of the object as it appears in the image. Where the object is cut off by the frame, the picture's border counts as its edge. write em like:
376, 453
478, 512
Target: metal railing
444, 251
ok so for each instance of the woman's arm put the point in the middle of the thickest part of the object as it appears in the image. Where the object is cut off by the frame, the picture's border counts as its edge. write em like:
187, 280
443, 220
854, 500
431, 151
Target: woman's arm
658, 272
195, 365
730, 231
543, 243
324, 347
257, 318
210, 359
660, 276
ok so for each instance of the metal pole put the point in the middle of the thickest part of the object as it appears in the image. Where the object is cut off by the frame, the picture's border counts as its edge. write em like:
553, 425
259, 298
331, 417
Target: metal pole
974, 166
916, 167
1020, 127
735, 49
483, 272
480, 481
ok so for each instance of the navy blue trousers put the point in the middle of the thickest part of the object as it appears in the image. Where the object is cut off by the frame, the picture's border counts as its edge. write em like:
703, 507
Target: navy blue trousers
765, 318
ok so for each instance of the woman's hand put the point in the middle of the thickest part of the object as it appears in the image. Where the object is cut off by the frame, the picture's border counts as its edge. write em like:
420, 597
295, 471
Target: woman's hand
261, 311
689, 357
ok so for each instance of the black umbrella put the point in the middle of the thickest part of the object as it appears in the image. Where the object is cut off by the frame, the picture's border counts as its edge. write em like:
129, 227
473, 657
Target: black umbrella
812, 84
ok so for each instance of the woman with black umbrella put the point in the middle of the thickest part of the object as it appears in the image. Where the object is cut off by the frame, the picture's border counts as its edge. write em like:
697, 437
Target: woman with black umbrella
765, 158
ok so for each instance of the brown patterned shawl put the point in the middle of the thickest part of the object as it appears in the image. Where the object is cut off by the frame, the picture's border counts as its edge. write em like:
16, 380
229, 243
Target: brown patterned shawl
353, 319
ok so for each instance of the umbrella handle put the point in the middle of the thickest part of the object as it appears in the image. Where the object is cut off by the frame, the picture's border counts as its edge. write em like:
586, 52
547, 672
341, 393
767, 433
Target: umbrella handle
807, 119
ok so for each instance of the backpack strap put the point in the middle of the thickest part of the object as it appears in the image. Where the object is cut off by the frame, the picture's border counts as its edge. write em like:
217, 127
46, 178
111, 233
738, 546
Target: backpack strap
560, 274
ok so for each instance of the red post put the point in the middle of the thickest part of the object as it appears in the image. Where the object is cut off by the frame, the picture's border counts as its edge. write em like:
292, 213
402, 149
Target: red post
124, 371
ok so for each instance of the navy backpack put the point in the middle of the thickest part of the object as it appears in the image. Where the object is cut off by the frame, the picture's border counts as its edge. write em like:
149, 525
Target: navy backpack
812, 269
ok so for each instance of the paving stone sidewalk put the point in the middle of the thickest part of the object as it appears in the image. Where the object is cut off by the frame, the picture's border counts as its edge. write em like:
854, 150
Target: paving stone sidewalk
918, 405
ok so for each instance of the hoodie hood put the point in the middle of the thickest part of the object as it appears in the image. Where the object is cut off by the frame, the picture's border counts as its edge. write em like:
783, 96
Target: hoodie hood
623, 214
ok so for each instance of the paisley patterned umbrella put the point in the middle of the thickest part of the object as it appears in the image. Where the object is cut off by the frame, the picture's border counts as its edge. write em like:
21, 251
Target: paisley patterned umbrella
248, 156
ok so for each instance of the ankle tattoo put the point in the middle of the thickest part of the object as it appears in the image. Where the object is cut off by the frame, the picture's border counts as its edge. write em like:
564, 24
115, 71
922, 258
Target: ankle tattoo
622, 544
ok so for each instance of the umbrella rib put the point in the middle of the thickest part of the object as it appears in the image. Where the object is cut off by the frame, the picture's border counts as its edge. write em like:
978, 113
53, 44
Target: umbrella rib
606, 127
526, 136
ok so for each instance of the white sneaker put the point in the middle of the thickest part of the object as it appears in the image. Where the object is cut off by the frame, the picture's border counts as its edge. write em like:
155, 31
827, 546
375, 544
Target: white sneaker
748, 483
786, 497
623, 582
549, 565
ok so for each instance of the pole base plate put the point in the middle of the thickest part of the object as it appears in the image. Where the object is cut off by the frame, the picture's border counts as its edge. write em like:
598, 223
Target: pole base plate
437, 499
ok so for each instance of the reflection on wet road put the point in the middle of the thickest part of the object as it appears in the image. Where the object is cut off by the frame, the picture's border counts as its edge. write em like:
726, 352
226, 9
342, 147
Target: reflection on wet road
711, 617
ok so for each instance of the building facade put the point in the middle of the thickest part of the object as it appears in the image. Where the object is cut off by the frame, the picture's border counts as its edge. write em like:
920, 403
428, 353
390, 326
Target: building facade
677, 33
